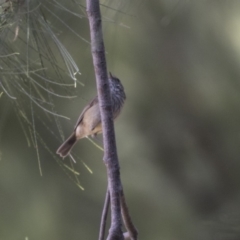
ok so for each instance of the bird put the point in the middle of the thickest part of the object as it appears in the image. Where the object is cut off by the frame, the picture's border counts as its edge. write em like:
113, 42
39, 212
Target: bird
89, 121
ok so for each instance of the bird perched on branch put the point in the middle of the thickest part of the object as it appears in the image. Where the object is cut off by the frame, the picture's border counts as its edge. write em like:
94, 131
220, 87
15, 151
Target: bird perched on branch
89, 121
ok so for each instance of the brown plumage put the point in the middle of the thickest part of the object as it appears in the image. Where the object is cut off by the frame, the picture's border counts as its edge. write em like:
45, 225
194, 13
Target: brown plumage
89, 121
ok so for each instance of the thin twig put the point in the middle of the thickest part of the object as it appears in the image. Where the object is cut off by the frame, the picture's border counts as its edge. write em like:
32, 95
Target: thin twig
104, 216
132, 232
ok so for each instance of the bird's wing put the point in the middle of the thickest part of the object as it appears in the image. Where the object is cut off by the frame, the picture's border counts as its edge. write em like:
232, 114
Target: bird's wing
94, 101
95, 121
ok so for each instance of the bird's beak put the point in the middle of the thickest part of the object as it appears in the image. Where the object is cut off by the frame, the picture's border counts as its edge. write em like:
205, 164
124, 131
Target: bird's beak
110, 74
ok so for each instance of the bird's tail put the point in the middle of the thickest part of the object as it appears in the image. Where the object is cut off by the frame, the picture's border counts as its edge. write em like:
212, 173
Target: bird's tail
66, 147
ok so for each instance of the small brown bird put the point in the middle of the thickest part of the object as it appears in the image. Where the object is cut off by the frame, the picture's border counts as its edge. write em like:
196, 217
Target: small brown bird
89, 121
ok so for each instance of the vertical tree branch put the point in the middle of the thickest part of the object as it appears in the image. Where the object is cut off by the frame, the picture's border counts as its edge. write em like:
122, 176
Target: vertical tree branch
109, 142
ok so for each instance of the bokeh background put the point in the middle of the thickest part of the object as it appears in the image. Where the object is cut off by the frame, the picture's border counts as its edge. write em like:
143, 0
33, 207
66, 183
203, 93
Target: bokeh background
178, 136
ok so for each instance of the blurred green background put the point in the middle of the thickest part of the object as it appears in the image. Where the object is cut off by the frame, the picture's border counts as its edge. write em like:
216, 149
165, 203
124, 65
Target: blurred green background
178, 135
